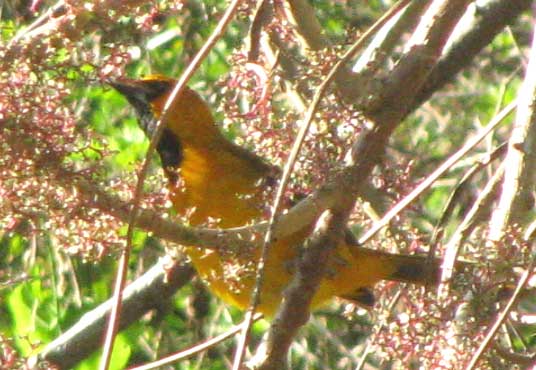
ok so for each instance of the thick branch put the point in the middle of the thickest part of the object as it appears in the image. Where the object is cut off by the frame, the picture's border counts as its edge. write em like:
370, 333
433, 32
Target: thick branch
152, 221
437, 25
297, 297
491, 19
501, 12
301, 215
384, 42
302, 15
423, 52
150, 291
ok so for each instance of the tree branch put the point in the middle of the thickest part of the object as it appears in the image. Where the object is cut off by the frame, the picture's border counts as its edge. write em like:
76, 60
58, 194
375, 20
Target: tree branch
148, 292
301, 215
302, 16
436, 26
385, 40
518, 181
294, 311
491, 19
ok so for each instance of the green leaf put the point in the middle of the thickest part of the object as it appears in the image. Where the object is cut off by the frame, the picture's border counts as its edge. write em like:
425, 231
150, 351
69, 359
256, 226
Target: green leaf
31, 311
120, 356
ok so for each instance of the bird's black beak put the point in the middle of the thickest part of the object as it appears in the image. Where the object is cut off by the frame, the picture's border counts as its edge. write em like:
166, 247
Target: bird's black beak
140, 91
135, 91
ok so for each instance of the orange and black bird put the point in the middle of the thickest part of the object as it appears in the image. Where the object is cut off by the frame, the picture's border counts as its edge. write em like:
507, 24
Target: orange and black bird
217, 182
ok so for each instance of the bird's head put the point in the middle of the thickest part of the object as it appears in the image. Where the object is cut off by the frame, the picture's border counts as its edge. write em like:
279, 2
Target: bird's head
189, 117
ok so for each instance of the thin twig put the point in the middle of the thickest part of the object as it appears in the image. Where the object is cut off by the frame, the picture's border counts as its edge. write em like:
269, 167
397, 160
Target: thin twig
520, 146
492, 17
263, 12
147, 292
159, 128
194, 349
301, 14
381, 47
519, 171
469, 175
400, 206
500, 319
289, 165
454, 197
294, 310
381, 326
54, 10
484, 201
